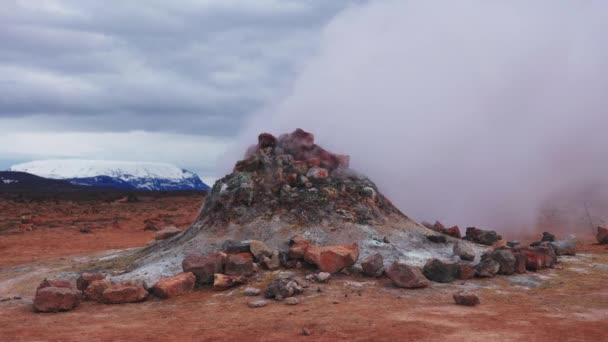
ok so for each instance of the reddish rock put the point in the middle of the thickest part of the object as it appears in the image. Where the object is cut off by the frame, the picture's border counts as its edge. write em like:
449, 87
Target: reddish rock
298, 250
300, 167
292, 178
87, 278
166, 233
331, 259
539, 257
317, 173
484, 237
314, 162
453, 232
438, 227
467, 299
204, 266
239, 264
55, 299
223, 282
406, 276
120, 293
343, 160
174, 286
373, 265
602, 235
95, 290
465, 271
266, 140
298, 239
54, 283
302, 138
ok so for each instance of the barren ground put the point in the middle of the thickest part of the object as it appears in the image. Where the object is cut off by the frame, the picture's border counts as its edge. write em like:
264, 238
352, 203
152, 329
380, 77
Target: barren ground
569, 303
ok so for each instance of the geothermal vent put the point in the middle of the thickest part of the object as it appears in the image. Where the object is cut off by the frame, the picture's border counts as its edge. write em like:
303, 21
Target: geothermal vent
290, 186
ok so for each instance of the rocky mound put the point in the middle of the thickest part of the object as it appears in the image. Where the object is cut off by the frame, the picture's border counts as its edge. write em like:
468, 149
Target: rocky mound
289, 186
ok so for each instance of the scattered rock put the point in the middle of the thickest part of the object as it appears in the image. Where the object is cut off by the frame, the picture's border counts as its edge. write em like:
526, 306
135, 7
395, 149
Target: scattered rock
467, 299
55, 299
166, 233
331, 259
204, 266
487, 268
321, 277
539, 257
251, 291
273, 262
406, 276
565, 247
54, 283
453, 232
465, 271
223, 282
437, 238
505, 260
259, 249
520, 262
484, 237
233, 246
373, 265
602, 235
257, 303
95, 290
174, 286
239, 264
283, 288
85, 279
464, 251
120, 293
440, 271
513, 243
292, 301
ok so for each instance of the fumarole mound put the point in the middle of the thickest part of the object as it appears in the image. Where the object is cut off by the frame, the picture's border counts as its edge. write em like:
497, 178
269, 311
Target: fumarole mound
290, 186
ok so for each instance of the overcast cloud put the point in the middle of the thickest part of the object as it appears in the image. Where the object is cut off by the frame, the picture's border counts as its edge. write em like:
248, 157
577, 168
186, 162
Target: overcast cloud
75, 74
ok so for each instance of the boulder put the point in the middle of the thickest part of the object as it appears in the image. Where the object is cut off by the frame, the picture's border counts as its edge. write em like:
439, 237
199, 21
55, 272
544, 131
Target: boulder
467, 299
453, 232
564, 247
373, 265
120, 293
55, 299
239, 264
505, 260
437, 238
602, 235
487, 268
54, 283
520, 262
440, 271
223, 282
539, 257
95, 290
465, 271
174, 286
298, 250
464, 251
282, 288
331, 259
166, 233
273, 262
406, 276
204, 266
235, 247
484, 237
259, 249
266, 140
85, 279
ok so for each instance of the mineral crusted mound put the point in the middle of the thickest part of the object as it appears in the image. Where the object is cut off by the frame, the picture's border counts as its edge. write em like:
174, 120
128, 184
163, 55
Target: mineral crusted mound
290, 186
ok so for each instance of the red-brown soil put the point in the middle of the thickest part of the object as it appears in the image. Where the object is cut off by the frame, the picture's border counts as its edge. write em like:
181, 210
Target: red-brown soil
569, 303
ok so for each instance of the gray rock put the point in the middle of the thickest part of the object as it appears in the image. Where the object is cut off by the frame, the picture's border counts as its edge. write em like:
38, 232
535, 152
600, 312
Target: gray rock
251, 291
464, 251
259, 249
440, 271
283, 288
565, 247
257, 303
292, 301
373, 265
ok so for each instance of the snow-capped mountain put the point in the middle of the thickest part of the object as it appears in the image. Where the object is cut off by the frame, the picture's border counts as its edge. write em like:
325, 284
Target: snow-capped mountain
115, 174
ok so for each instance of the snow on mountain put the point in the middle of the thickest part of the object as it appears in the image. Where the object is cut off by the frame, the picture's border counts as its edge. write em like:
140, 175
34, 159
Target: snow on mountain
117, 174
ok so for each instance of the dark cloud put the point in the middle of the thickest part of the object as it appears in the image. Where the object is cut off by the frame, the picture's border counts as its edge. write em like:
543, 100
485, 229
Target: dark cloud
183, 66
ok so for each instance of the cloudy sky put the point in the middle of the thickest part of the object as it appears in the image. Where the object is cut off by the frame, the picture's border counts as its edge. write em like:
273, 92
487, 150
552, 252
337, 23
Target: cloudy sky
170, 81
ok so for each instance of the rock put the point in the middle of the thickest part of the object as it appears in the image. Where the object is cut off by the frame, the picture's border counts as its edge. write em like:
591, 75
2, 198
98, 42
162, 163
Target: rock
321, 277
500, 244
464, 251
565, 247
602, 235
465, 271
174, 286
223, 282
331, 259
306, 332
257, 303
235, 247
166, 233
239, 264
283, 288
298, 250
453, 232
204, 266
437, 238
440, 271
266, 140
95, 289
85, 279
292, 301
487, 268
272, 263
547, 237
55, 299
438, 227
467, 299
54, 283
520, 262
406, 276
298, 239
317, 173
251, 291
85, 230
539, 257
513, 243
120, 293
151, 227
373, 265
484, 237
259, 249
505, 260
300, 167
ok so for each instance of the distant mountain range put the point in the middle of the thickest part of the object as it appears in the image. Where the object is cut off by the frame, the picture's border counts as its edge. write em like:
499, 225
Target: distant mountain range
112, 174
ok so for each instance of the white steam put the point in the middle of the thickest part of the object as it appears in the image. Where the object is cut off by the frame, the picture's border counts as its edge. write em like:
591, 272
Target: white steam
472, 112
